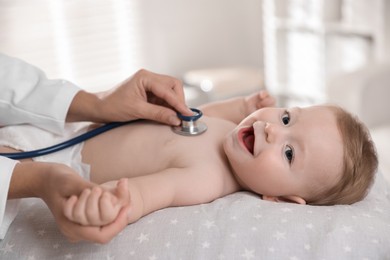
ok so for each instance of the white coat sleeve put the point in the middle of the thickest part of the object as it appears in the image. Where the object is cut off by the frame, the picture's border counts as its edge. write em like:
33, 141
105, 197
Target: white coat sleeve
27, 96
8, 209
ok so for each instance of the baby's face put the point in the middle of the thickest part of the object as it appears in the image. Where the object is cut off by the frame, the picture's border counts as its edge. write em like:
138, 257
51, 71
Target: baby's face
286, 154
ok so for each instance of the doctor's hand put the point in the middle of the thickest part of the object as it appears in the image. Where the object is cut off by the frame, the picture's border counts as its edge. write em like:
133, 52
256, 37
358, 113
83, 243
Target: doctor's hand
63, 183
55, 183
145, 95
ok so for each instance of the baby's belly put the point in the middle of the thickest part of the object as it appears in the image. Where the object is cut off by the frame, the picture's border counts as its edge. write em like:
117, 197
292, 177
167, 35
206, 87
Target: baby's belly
128, 151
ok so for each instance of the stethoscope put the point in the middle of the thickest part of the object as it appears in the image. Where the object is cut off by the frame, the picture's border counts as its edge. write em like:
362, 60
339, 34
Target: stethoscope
189, 127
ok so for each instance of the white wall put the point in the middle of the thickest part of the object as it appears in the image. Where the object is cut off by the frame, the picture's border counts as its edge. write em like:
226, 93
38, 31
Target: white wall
98, 43
183, 35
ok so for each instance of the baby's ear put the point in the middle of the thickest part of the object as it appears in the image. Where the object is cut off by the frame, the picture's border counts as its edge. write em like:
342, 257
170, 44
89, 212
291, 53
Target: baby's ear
289, 199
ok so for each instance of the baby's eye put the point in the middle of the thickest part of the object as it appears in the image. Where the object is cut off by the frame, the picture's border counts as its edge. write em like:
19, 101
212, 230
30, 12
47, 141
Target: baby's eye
286, 118
289, 153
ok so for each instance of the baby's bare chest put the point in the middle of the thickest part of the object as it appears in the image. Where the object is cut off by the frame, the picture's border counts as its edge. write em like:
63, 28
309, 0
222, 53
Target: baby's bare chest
157, 146
147, 148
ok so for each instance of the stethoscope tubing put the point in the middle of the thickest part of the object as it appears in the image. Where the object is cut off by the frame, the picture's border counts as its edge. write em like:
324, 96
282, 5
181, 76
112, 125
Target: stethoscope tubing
88, 135
65, 144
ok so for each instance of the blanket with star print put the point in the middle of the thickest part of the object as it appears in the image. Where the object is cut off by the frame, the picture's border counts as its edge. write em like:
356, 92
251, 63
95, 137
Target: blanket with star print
239, 226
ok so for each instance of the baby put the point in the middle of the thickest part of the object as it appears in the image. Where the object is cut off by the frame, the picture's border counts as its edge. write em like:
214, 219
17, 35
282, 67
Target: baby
319, 155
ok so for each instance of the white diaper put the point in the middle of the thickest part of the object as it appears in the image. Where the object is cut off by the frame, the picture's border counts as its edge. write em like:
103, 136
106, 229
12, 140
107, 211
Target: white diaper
28, 138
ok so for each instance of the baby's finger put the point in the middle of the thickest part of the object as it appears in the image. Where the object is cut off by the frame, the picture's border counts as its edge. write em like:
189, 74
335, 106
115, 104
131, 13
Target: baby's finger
264, 94
108, 207
69, 206
79, 209
268, 102
122, 192
265, 99
92, 207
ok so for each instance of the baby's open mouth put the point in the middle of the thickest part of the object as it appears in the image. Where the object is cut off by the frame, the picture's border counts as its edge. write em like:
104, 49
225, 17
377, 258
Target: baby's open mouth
248, 138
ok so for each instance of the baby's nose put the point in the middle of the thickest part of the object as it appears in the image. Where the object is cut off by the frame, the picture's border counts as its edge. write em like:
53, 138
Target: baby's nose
273, 132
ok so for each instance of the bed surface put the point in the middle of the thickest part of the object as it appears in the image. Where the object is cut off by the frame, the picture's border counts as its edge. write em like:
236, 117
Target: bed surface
239, 226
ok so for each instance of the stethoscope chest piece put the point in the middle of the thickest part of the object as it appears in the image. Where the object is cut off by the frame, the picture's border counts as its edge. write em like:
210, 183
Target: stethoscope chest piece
190, 126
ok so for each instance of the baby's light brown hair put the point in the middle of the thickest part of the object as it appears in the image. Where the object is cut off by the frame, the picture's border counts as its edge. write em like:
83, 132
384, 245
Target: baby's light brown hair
360, 163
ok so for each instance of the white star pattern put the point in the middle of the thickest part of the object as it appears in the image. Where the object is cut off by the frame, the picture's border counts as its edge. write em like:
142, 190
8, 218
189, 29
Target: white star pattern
279, 235
347, 229
7, 249
347, 249
367, 215
206, 244
143, 237
41, 232
209, 224
309, 226
248, 254
379, 210
258, 216
256, 234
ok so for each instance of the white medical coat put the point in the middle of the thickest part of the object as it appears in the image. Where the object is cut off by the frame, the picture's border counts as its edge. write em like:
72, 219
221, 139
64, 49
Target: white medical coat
27, 97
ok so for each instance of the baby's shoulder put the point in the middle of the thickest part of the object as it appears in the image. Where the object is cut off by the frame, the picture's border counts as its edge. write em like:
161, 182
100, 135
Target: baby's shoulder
218, 120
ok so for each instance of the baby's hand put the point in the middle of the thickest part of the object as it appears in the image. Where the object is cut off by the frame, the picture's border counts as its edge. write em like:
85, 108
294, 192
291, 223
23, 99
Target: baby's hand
259, 100
97, 206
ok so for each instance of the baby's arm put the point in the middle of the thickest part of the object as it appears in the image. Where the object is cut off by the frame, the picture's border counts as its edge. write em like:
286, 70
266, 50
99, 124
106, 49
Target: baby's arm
171, 187
236, 109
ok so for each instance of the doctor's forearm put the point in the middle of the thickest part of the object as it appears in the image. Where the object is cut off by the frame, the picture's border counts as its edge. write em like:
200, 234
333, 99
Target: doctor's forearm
27, 180
84, 107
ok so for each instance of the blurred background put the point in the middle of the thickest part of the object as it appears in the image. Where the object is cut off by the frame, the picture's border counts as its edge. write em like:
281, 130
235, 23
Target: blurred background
219, 48
98, 43
303, 51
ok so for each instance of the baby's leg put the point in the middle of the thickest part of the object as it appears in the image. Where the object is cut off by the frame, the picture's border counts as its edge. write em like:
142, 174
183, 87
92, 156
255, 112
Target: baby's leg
98, 206
6, 149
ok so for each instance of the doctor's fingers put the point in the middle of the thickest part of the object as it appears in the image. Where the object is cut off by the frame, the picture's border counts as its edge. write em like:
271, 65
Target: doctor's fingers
159, 113
101, 235
168, 89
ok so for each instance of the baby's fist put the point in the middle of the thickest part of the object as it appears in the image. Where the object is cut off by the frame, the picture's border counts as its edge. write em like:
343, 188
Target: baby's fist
259, 100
